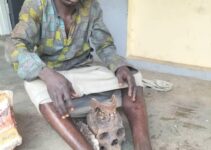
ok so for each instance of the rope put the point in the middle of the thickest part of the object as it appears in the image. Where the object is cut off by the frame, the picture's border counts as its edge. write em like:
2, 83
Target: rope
158, 85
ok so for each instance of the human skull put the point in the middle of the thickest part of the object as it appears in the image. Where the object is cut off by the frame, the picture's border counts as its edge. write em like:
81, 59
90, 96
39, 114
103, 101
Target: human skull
106, 124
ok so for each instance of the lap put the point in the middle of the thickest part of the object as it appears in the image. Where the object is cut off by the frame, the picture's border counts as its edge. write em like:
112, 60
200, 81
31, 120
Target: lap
86, 81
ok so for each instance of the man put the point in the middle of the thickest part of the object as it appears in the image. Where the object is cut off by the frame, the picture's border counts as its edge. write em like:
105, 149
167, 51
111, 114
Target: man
53, 40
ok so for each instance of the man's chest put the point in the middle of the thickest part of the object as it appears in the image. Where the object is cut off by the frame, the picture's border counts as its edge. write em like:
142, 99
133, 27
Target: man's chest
58, 33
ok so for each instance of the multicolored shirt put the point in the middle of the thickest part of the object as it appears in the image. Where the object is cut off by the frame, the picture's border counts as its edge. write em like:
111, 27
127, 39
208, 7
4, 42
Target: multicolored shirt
39, 39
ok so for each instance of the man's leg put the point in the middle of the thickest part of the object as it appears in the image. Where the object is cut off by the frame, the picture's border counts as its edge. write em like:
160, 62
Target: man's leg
137, 117
65, 127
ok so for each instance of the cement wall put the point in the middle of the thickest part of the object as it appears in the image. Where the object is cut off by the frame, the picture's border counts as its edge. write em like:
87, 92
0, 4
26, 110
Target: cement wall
115, 17
173, 31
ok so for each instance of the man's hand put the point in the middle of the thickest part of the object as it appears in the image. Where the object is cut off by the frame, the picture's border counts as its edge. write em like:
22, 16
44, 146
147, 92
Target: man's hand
124, 75
59, 89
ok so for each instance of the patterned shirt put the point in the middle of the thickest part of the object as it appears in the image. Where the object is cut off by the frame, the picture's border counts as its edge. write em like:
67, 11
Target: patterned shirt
39, 39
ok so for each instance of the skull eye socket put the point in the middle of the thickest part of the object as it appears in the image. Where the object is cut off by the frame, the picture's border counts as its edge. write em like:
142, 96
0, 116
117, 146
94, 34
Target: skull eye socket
120, 132
114, 142
103, 135
97, 109
102, 148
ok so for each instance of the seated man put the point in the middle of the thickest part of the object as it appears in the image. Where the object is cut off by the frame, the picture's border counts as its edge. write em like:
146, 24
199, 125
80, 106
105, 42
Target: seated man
52, 41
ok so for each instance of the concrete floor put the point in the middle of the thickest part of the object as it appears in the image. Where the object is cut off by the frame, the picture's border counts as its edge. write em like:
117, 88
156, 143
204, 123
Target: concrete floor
178, 120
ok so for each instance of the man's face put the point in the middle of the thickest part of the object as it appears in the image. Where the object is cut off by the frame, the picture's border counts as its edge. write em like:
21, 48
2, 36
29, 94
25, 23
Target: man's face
69, 2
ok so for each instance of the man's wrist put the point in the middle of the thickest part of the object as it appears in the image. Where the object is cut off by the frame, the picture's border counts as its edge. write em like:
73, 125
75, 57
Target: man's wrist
44, 73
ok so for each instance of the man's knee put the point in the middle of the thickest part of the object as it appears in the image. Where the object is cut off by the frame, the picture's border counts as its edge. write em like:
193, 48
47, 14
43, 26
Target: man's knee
43, 107
128, 104
47, 108
132, 106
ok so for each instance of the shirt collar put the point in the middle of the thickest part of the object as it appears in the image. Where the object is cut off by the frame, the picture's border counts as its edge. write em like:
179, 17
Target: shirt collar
80, 4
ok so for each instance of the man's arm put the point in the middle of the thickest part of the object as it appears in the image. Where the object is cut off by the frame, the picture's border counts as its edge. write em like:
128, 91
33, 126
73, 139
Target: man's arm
20, 47
20, 52
102, 41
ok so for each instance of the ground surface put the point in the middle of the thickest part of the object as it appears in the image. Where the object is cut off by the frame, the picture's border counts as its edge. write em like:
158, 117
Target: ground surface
178, 120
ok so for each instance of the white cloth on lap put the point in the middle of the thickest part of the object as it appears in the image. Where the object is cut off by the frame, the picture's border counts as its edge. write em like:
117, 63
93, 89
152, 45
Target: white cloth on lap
85, 81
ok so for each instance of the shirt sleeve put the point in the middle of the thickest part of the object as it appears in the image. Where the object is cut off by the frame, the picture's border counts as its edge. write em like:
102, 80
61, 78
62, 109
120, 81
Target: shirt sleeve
20, 50
102, 41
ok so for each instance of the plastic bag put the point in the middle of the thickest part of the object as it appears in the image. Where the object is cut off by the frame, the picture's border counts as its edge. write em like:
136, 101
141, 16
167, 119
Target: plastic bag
9, 137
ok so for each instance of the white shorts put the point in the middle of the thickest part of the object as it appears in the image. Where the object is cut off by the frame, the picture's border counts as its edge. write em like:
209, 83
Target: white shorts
85, 81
